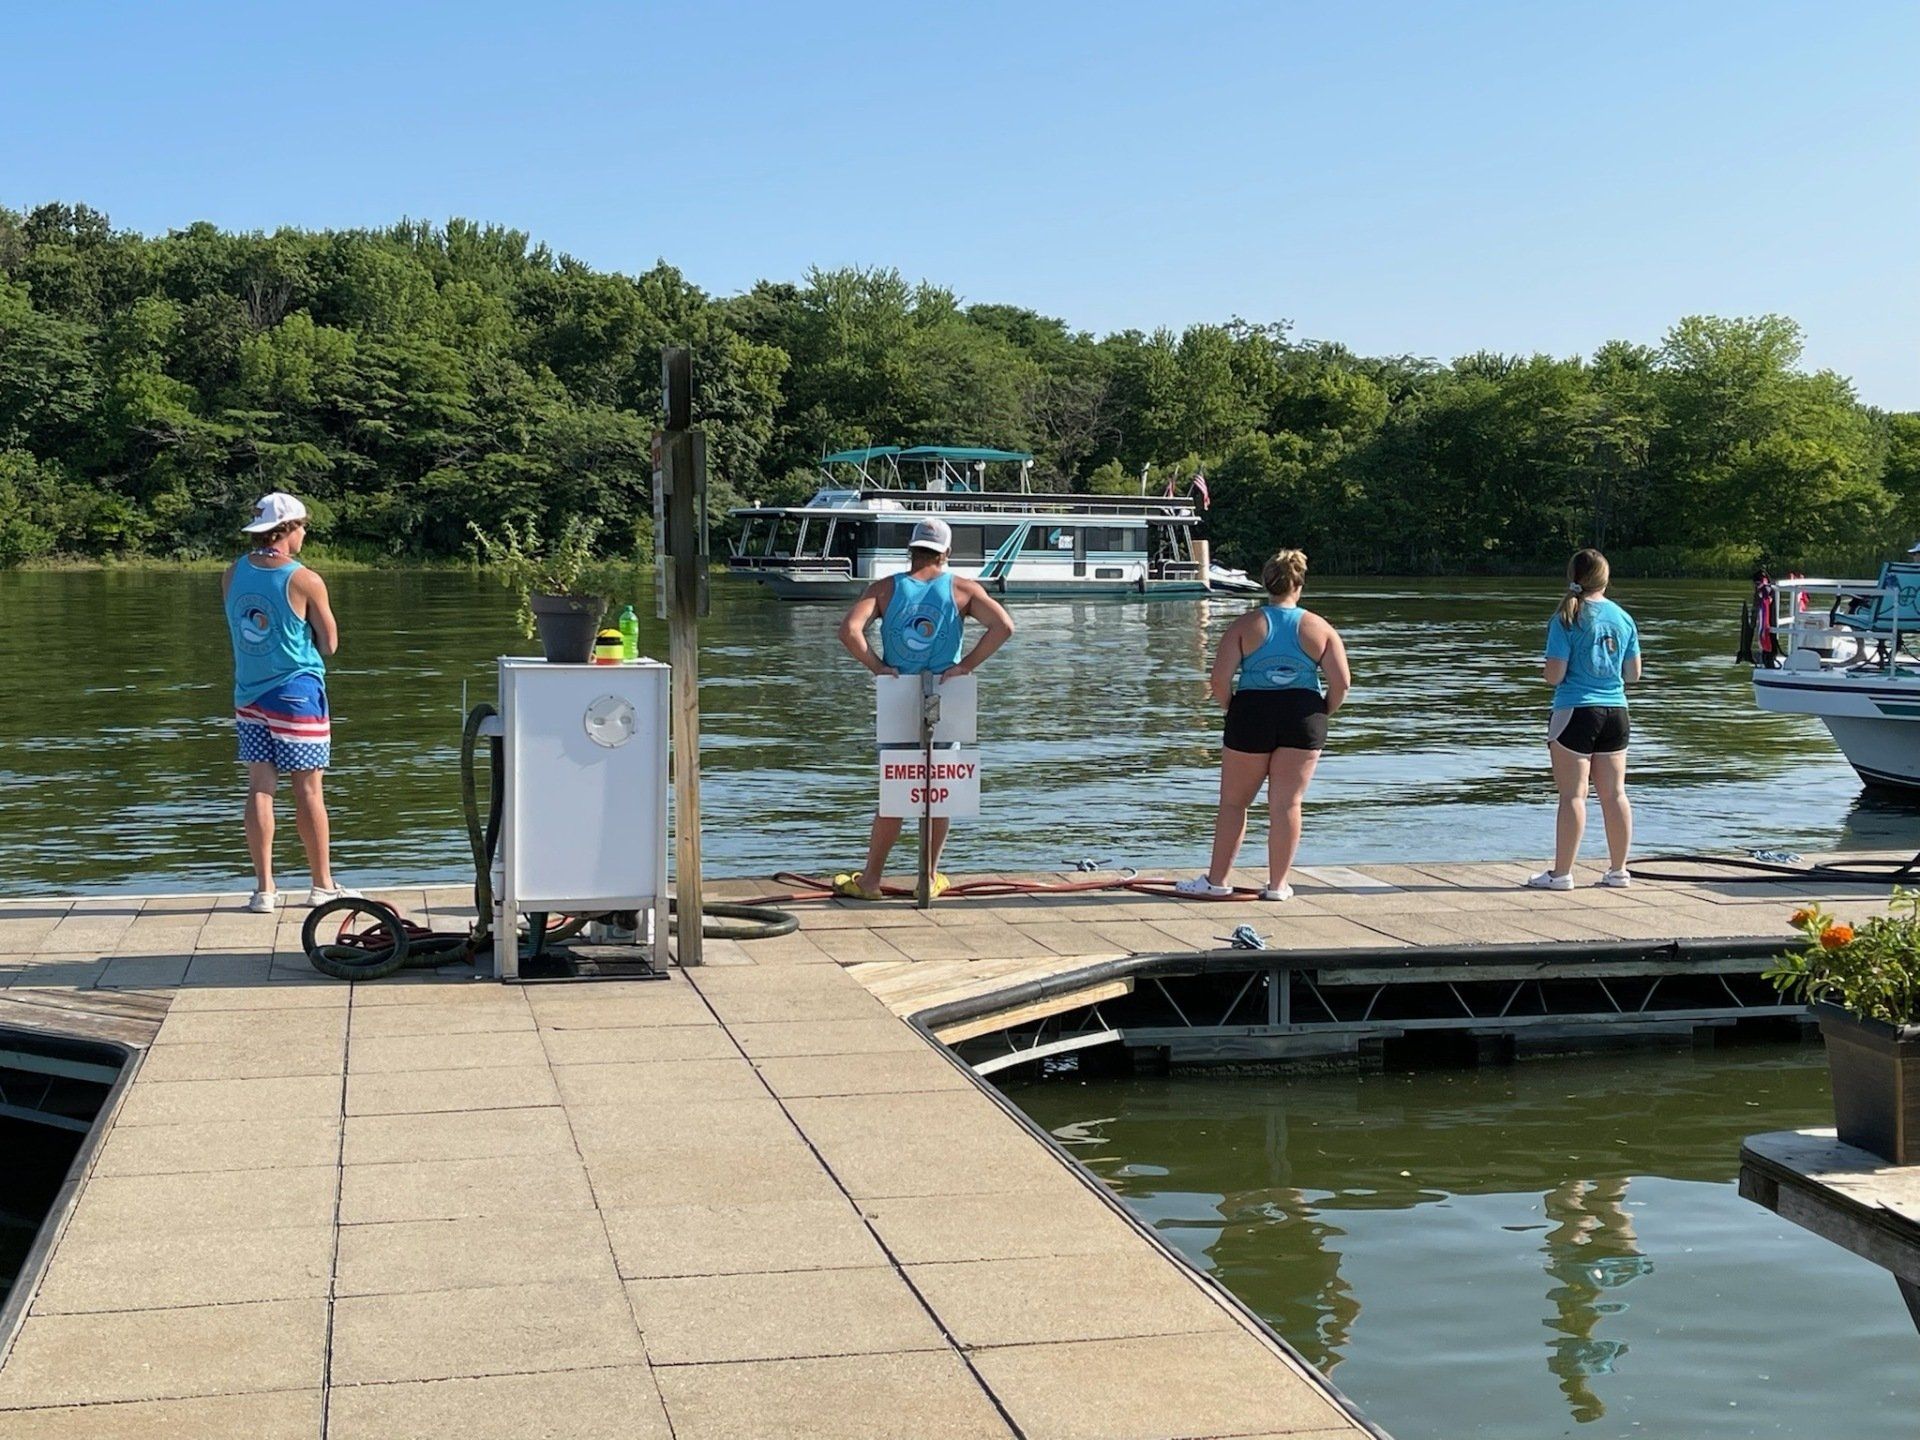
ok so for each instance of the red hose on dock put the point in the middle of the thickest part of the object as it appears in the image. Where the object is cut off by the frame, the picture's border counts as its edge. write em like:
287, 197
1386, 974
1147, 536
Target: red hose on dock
817, 889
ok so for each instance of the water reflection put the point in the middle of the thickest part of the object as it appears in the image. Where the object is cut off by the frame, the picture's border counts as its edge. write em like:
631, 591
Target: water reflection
1414, 1234
1591, 1250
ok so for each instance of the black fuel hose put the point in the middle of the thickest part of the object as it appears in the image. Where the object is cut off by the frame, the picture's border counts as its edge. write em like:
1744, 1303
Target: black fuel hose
483, 840
1868, 870
763, 922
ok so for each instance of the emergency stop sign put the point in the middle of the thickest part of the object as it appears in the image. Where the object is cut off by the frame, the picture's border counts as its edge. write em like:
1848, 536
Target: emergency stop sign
910, 788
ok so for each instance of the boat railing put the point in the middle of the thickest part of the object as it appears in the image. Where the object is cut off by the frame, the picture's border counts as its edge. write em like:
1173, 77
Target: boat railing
1848, 622
794, 564
1001, 502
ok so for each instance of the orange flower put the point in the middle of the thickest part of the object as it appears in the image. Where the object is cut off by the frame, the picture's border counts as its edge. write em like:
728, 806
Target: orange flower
1834, 936
1800, 917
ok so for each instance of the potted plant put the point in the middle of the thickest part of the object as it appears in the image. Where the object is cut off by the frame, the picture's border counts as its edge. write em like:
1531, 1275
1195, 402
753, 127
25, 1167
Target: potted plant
551, 580
1864, 985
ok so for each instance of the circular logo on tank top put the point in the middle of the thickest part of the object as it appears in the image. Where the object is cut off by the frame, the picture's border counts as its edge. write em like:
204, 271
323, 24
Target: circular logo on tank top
256, 627
921, 627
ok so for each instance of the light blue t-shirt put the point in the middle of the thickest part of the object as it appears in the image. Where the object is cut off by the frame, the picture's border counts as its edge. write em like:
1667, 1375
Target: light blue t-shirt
1596, 650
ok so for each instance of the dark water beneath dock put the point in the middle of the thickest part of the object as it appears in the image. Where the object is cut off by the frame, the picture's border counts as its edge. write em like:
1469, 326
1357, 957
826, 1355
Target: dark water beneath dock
117, 772
1550, 1248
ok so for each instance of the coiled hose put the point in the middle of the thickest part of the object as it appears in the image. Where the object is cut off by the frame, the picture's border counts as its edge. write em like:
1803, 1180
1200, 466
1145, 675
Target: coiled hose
387, 943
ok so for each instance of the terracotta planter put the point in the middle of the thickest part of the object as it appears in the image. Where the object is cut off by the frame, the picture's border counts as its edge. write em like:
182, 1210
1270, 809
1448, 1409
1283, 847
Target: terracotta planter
1876, 1082
567, 624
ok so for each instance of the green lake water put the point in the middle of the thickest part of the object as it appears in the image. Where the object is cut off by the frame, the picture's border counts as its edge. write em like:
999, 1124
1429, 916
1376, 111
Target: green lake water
1545, 1249
117, 770
1554, 1248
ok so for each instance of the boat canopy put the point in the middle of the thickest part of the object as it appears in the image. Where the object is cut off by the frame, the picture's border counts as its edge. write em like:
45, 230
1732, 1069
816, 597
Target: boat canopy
960, 452
860, 456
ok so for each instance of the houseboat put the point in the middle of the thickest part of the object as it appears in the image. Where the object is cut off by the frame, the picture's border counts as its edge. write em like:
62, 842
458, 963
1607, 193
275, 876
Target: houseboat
1845, 650
854, 531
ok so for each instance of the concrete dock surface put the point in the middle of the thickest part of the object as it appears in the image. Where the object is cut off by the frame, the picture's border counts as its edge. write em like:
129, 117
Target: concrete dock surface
747, 1201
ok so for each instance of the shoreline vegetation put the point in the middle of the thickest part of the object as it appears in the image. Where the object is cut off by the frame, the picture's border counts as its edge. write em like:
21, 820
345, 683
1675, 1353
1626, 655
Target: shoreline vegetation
1632, 565
408, 380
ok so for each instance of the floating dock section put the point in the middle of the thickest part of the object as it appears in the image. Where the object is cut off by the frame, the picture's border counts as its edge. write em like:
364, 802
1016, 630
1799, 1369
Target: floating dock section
757, 1199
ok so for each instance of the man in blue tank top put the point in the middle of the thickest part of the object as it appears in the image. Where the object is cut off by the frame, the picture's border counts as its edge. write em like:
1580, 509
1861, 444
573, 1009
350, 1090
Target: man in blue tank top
282, 627
920, 614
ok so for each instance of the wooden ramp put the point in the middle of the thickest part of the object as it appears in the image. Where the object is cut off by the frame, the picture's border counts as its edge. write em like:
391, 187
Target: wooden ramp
909, 988
130, 1017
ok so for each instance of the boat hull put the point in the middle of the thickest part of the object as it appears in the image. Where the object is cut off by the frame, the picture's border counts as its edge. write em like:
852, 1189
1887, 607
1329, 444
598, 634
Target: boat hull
1882, 752
1874, 721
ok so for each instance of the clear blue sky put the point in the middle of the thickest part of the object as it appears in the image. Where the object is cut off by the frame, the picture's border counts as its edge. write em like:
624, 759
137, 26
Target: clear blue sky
1427, 178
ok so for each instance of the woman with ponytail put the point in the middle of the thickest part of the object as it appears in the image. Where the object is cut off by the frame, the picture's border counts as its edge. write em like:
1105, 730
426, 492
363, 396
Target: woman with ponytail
1280, 674
1593, 649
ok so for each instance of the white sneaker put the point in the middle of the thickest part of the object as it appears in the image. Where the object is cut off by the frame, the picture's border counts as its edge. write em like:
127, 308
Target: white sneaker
1281, 891
1616, 879
264, 902
1202, 887
317, 896
1547, 880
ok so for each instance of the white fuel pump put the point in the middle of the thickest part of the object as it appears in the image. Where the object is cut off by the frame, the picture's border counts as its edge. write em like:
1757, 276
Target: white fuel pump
584, 826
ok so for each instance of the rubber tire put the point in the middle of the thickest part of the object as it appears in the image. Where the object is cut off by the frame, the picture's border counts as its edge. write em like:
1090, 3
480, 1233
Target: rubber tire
353, 962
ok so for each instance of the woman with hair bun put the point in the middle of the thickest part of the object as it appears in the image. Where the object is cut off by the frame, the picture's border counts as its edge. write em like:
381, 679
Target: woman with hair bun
1280, 673
1593, 650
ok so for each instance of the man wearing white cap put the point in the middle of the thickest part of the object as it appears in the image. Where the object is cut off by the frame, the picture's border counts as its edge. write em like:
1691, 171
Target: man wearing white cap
920, 630
282, 628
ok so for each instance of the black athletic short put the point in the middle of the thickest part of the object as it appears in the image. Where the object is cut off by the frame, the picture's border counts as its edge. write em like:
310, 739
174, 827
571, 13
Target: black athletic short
1590, 729
1262, 721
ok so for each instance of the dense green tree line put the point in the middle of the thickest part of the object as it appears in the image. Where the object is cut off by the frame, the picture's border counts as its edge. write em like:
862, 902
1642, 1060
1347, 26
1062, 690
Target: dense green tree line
407, 380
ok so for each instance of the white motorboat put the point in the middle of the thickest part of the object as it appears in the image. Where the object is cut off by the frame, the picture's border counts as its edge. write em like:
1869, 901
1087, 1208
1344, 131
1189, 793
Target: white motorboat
854, 531
1846, 651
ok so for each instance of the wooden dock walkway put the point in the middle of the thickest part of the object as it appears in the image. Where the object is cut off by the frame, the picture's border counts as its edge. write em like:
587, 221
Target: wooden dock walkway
746, 1201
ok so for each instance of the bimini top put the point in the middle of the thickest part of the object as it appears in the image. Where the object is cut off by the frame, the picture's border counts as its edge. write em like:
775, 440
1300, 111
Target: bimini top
860, 456
960, 452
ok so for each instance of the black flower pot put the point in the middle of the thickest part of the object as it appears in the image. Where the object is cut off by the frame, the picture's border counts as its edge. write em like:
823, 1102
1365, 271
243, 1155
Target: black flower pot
1875, 1069
567, 625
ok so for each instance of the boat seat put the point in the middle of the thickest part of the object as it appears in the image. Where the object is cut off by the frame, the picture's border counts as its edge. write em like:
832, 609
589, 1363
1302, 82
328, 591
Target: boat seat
1896, 599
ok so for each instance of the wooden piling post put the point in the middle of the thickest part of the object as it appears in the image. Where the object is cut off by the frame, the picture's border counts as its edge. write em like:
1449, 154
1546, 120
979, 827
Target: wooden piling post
683, 455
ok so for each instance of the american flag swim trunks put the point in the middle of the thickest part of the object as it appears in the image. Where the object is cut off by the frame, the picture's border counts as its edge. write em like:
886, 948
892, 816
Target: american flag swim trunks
288, 727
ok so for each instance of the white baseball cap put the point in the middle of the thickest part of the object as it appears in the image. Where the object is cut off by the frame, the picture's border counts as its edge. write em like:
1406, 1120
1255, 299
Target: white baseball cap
927, 535
279, 508
1914, 549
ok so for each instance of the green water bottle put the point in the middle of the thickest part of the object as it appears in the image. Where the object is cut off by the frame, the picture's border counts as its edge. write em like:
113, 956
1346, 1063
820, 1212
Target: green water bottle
629, 634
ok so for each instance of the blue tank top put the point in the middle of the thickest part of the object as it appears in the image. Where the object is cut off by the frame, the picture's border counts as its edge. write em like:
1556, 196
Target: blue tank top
271, 644
921, 629
1280, 663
